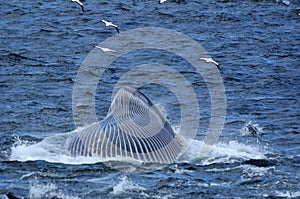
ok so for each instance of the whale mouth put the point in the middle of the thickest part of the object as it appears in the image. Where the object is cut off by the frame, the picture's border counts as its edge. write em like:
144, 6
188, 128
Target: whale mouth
134, 128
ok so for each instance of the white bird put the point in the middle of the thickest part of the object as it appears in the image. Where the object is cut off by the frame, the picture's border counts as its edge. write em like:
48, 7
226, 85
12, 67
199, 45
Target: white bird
105, 49
285, 2
107, 23
210, 60
162, 1
79, 3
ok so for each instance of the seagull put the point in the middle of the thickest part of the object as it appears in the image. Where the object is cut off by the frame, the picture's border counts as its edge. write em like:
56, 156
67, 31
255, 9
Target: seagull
105, 49
286, 3
210, 60
162, 1
79, 3
107, 23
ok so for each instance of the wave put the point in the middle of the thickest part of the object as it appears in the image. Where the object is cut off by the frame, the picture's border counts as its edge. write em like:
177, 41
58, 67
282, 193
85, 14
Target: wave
126, 186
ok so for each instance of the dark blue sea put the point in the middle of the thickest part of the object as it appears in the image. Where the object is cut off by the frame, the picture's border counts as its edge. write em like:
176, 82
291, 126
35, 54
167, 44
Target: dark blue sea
257, 44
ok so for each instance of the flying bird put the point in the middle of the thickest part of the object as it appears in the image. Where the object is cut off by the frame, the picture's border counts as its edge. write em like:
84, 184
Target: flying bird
210, 60
162, 1
79, 3
105, 49
286, 3
107, 23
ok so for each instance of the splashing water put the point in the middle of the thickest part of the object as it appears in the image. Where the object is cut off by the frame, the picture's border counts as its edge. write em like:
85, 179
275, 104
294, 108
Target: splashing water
125, 186
48, 190
54, 149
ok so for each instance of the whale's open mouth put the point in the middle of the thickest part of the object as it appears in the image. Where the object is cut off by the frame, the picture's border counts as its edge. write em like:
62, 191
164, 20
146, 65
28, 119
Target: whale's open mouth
134, 128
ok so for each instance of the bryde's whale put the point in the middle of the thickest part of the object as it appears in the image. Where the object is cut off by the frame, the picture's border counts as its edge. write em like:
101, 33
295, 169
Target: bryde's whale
134, 128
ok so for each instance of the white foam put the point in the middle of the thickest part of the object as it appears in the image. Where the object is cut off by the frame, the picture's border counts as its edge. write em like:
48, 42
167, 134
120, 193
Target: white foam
55, 149
25, 176
48, 190
35, 152
125, 186
52, 149
222, 153
288, 194
180, 171
250, 171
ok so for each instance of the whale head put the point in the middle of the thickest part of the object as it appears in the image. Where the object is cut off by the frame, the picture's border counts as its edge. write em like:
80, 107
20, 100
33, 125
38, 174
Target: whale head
133, 128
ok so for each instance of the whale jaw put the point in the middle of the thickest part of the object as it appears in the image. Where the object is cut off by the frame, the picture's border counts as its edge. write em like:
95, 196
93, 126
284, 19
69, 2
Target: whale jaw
133, 128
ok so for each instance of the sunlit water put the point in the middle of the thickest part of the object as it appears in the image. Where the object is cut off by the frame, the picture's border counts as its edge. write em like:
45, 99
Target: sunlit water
257, 44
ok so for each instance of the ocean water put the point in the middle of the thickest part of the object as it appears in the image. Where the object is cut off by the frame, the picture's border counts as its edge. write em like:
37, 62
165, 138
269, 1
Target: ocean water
43, 44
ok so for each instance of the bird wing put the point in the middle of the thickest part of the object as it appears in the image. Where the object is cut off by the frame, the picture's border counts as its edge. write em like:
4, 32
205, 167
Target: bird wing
210, 60
79, 3
82, 8
117, 29
103, 21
